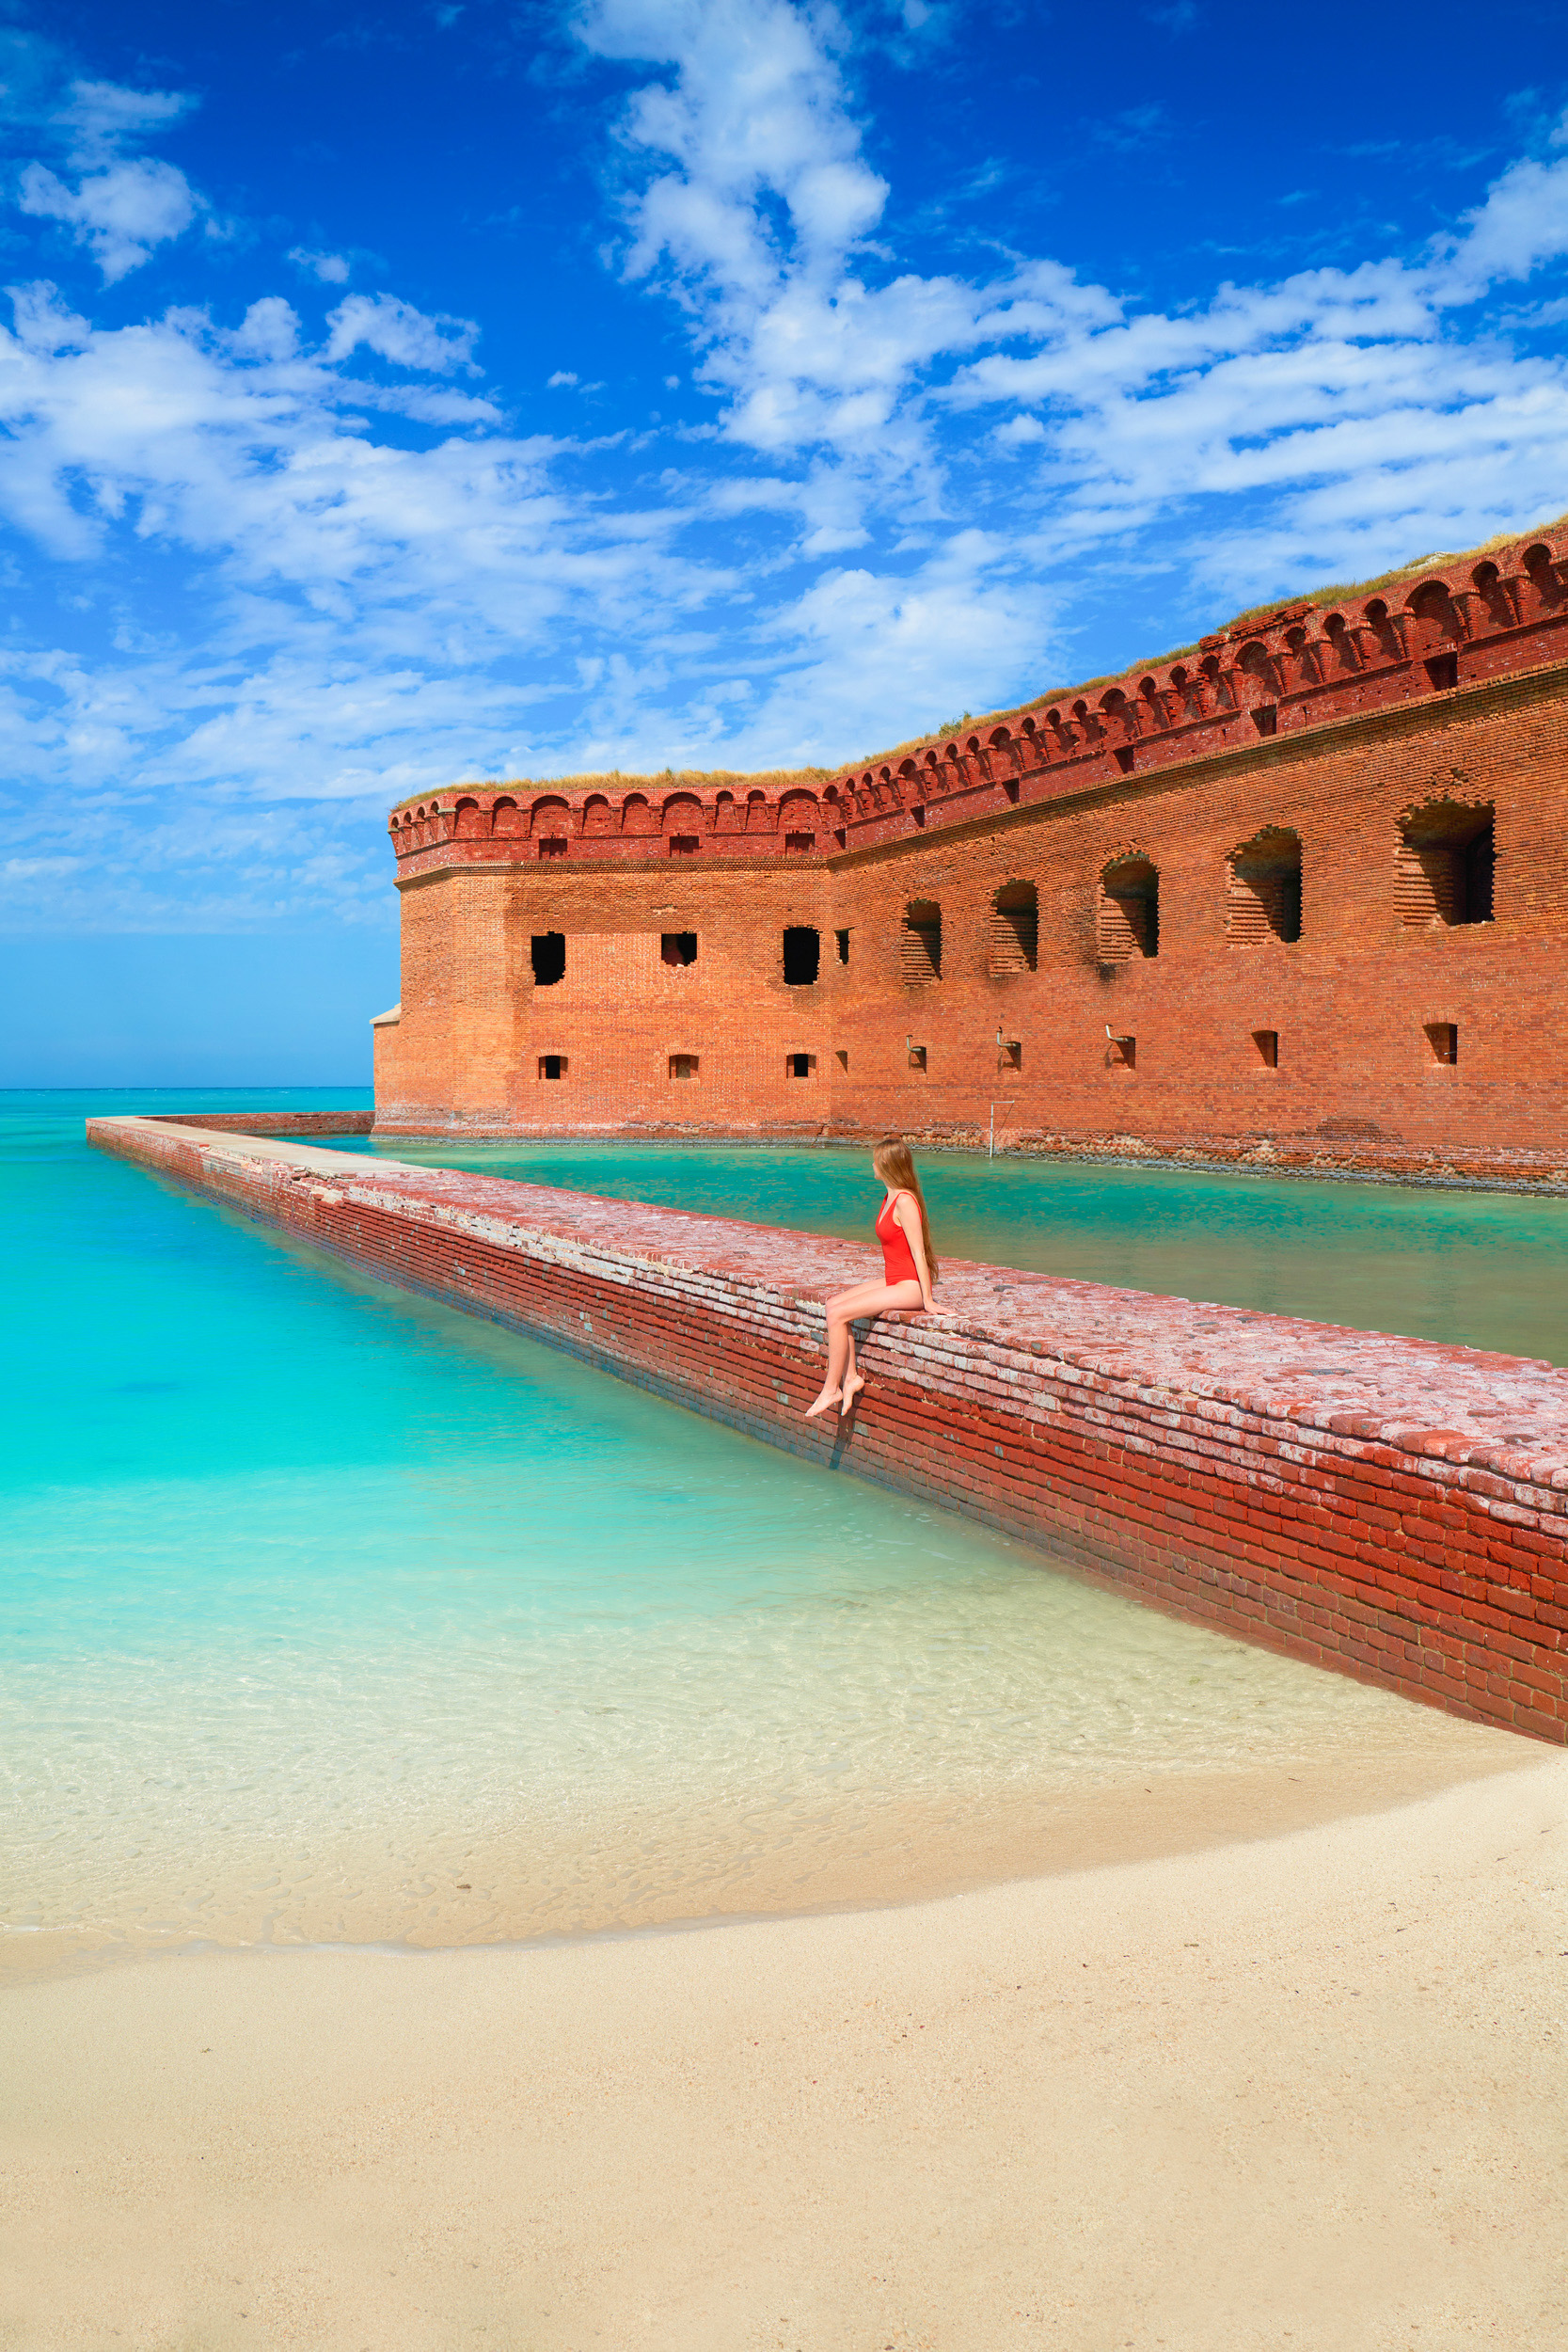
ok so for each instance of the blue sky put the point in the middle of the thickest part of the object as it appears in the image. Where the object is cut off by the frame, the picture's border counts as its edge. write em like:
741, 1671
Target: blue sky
400, 394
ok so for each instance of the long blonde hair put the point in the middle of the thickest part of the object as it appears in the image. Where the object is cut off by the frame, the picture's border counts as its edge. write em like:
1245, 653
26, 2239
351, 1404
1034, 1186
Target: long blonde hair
890, 1157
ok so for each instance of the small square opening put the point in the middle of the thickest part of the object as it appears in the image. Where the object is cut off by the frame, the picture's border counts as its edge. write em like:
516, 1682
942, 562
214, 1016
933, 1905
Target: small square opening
1011, 1056
842, 1058
917, 1057
1443, 670
1121, 1053
799, 844
552, 846
843, 939
801, 1065
682, 845
1267, 1043
1443, 1037
1266, 718
683, 1065
678, 947
1123, 755
553, 1065
802, 956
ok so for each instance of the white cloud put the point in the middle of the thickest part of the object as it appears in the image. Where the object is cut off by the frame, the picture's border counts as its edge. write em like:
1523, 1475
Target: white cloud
398, 333
561, 377
121, 213
331, 268
101, 117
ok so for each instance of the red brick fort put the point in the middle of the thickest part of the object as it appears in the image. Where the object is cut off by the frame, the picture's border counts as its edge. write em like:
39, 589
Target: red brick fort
1299, 896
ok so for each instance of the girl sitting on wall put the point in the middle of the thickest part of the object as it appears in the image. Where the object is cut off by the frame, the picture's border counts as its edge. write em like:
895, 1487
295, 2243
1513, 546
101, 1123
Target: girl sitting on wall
909, 1273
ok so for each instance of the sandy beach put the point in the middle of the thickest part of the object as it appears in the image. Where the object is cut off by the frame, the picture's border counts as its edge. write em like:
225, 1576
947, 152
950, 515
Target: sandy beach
1310, 2090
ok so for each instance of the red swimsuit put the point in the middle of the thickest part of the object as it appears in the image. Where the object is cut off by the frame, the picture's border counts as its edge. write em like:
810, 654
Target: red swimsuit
897, 1257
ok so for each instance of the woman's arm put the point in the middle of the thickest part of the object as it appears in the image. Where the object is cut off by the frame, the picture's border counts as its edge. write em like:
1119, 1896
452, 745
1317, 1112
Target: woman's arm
908, 1217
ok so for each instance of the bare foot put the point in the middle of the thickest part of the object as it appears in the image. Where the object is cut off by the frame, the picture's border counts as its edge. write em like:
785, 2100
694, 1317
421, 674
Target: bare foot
829, 1397
853, 1384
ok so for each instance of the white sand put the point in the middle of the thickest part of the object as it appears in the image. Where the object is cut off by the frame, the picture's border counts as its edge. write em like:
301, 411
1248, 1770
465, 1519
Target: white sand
1305, 2092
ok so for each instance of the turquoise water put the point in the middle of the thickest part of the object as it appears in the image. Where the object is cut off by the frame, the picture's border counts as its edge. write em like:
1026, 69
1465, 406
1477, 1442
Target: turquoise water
331, 1615
1485, 1269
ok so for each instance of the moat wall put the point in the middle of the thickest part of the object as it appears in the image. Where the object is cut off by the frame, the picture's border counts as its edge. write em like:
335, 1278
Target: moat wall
1391, 1508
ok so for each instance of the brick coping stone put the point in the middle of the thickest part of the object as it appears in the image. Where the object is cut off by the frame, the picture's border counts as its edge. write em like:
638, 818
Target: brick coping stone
1392, 1507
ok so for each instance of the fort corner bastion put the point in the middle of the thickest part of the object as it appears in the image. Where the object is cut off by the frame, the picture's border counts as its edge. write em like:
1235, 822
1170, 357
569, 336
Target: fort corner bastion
1299, 896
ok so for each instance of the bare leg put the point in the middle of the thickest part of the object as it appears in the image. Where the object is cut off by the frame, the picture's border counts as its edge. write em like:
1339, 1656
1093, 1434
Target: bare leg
841, 1348
852, 1382
843, 1381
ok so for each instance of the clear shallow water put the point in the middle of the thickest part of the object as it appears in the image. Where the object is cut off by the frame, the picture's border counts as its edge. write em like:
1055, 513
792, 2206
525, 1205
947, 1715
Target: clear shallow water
1484, 1269
330, 1616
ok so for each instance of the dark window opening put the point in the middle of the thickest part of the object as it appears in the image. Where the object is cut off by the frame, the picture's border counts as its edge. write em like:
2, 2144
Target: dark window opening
1015, 927
802, 956
800, 842
843, 939
1266, 718
1011, 1054
1263, 894
1127, 921
801, 1065
919, 954
842, 1058
1267, 1043
1443, 1038
1445, 866
678, 947
683, 1065
1123, 757
682, 845
549, 958
553, 1065
917, 1057
1121, 1053
1443, 670
552, 846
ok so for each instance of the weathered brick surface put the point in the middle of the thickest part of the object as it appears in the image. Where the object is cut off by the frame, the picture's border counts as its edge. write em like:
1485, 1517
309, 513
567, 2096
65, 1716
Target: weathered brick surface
1161, 782
1395, 1509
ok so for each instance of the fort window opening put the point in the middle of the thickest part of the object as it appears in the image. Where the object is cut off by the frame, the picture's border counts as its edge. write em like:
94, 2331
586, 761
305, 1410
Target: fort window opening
1011, 1054
1443, 1038
920, 953
843, 939
1121, 1053
1015, 927
801, 1065
683, 1065
1443, 670
549, 958
678, 947
799, 844
552, 846
1265, 717
553, 1065
917, 1057
1266, 1041
1443, 867
1263, 889
684, 845
842, 1058
802, 956
1127, 917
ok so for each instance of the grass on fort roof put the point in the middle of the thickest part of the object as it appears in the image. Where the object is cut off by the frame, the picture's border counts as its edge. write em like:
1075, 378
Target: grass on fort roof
701, 779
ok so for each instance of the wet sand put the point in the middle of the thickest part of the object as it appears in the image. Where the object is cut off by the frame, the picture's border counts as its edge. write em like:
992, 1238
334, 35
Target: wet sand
1310, 2090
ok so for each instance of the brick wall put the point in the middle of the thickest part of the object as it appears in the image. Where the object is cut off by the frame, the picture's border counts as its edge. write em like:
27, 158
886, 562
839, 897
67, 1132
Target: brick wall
1391, 1508
1257, 918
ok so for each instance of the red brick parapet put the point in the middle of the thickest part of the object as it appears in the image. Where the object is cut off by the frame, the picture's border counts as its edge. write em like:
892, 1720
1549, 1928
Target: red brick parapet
1305, 665
1389, 1507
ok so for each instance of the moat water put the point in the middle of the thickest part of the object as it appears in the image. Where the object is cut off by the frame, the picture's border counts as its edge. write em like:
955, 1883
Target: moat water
332, 1616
